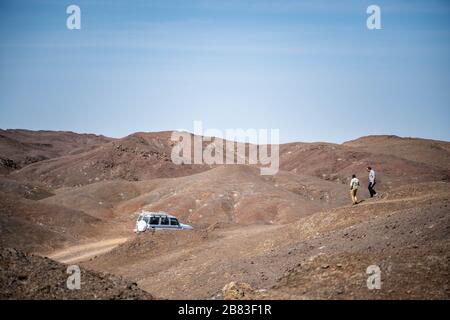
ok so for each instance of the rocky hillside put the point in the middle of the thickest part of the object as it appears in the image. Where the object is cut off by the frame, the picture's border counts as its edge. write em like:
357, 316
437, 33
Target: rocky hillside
19, 148
25, 276
140, 156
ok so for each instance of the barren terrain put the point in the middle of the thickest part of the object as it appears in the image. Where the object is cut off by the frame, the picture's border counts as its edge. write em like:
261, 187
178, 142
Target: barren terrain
294, 235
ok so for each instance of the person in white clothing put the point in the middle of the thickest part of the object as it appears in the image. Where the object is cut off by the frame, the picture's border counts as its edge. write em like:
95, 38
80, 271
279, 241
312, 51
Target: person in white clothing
354, 184
372, 182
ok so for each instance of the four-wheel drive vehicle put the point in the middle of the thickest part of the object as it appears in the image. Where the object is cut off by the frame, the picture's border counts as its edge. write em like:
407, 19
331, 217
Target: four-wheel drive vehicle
158, 220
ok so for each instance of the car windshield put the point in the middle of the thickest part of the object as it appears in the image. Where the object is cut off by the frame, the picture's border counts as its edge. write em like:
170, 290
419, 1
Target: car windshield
174, 222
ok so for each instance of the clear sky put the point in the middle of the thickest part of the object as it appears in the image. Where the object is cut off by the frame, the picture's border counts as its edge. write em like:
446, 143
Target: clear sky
309, 68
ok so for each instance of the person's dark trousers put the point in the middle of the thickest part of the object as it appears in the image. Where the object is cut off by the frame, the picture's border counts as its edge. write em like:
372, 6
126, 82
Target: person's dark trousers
371, 189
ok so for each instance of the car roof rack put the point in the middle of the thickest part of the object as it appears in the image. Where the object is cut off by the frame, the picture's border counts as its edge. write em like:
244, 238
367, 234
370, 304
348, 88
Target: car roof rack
158, 213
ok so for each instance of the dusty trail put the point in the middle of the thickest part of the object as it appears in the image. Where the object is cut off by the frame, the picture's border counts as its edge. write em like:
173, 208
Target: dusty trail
84, 252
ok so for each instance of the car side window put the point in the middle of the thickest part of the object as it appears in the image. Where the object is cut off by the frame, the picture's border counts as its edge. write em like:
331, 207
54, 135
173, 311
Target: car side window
174, 222
154, 220
164, 220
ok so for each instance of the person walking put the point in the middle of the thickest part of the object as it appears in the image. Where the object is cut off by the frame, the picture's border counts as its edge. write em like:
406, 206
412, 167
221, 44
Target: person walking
372, 182
354, 184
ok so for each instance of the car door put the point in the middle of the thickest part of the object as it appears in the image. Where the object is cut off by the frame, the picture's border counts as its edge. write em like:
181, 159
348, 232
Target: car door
164, 223
154, 222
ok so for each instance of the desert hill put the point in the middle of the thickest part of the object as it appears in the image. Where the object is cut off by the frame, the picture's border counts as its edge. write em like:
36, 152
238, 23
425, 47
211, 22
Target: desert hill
146, 156
38, 227
338, 162
140, 156
19, 148
34, 226
430, 152
227, 194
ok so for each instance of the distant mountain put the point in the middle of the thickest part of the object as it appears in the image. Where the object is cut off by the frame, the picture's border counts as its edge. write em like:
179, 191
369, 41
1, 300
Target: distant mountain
139, 156
337, 162
67, 159
19, 148
431, 152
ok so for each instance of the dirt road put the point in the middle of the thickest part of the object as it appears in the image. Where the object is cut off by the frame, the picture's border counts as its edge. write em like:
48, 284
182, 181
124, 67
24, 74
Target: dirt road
84, 252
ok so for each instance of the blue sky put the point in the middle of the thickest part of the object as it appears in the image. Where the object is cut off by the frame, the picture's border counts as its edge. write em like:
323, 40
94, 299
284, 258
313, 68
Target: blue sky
309, 68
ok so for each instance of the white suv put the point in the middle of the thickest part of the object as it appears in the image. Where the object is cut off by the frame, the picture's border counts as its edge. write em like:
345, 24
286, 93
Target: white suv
158, 220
